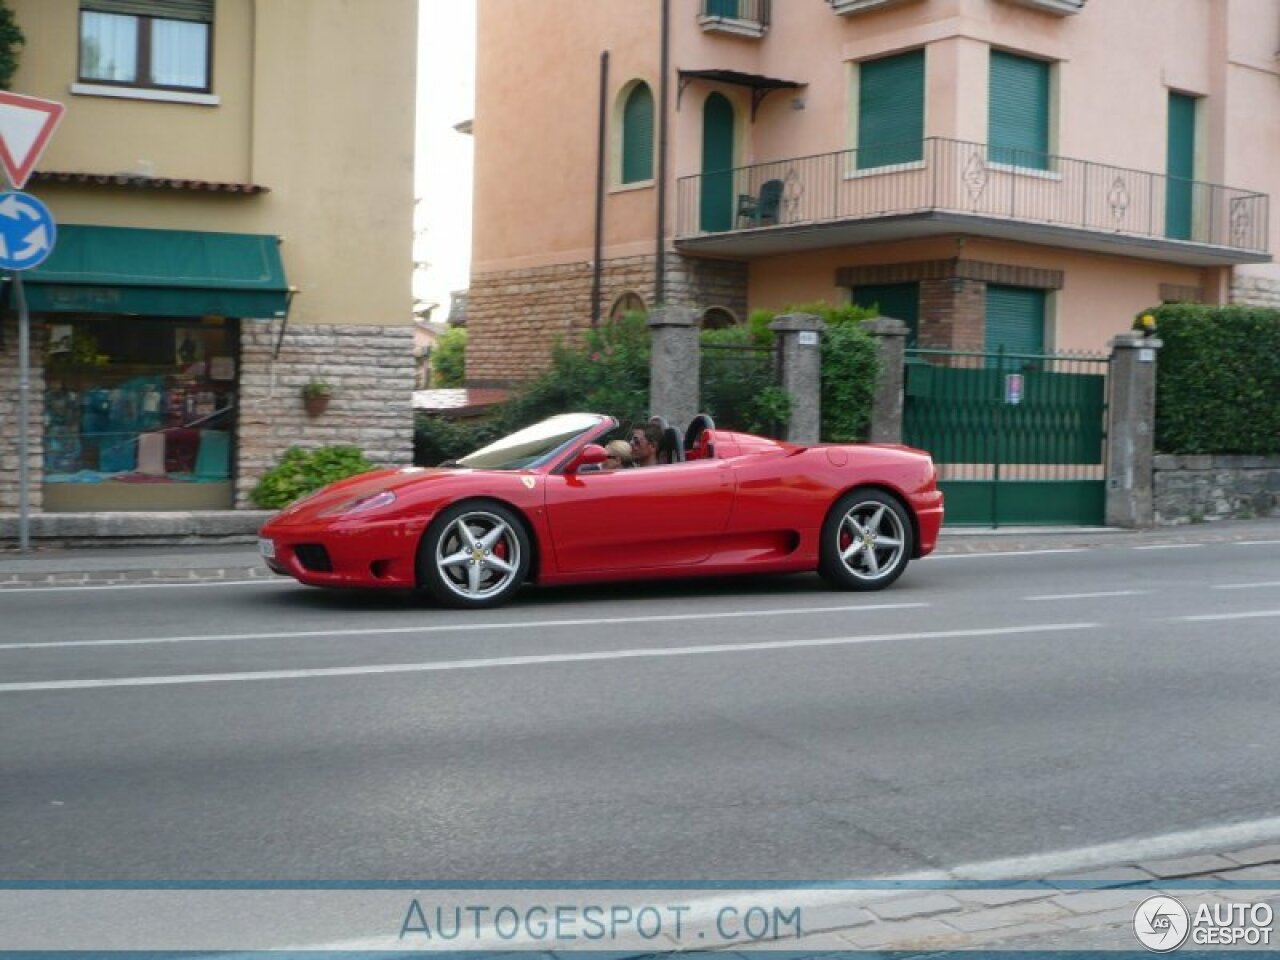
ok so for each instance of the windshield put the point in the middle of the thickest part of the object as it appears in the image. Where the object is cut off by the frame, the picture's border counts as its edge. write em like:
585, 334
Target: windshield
533, 445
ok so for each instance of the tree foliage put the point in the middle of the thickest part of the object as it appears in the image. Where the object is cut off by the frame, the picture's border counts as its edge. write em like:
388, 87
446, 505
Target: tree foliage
11, 41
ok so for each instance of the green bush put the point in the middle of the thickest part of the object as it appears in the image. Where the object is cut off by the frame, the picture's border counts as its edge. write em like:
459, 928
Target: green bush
300, 472
608, 373
449, 359
1218, 379
437, 439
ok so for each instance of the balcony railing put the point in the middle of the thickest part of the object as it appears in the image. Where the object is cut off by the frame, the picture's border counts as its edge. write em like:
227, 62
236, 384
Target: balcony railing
970, 180
748, 18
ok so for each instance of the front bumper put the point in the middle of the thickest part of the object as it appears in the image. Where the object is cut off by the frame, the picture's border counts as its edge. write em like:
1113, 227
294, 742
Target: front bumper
370, 553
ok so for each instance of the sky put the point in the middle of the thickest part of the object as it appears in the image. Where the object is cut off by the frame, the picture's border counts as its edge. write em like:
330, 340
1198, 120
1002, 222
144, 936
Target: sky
446, 96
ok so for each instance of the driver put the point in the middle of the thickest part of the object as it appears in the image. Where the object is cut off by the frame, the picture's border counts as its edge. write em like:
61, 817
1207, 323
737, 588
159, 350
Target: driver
644, 444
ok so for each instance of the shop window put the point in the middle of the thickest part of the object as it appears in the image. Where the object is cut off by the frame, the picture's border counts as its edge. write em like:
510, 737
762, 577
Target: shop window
147, 43
139, 414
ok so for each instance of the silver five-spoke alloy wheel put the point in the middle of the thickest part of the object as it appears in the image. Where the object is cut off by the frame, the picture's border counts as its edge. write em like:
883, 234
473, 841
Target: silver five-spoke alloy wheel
478, 556
866, 541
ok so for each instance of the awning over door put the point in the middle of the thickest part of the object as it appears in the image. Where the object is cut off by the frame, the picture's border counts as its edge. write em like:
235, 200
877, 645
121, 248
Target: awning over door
165, 273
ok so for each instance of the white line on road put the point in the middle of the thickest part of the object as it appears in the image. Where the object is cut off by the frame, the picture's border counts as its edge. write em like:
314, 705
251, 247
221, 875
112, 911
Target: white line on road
1245, 615
1170, 546
152, 586
468, 627
538, 660
1088, 596
1256, 543
1246, 586
1003, 553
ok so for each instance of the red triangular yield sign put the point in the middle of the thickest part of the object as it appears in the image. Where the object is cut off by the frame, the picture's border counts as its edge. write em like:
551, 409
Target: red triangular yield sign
26, 124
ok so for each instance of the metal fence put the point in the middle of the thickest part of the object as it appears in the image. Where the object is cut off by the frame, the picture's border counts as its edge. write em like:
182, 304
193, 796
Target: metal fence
955, 176
732, 378
754, 11
1018, 438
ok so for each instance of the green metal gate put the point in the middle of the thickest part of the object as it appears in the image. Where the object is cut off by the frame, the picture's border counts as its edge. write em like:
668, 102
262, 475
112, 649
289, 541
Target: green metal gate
1018, 438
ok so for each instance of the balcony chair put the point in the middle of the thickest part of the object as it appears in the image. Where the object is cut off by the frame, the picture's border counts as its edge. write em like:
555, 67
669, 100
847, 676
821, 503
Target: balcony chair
761, 211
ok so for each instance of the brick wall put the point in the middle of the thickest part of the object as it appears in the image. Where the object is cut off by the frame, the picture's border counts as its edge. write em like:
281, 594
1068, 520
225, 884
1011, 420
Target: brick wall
514, 318
9, 402
952, 314
371, 371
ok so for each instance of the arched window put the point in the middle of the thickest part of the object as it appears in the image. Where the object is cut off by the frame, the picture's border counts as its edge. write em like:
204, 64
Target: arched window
637, 135
718, 318
629, 302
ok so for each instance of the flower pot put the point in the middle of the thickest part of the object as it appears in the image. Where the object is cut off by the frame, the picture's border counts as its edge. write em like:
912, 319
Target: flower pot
316, 405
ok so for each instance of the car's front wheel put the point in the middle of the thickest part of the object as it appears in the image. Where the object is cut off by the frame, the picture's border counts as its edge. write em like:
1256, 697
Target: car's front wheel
866, 541
474, 555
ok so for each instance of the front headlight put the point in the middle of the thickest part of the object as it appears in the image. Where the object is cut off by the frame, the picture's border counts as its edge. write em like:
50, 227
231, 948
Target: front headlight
374, 501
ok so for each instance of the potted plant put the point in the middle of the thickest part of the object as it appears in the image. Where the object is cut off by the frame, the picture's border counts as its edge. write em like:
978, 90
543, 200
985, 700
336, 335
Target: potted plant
315, 396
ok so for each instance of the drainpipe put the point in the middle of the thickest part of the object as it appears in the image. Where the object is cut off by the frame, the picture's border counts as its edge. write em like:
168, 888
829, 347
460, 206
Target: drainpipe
597, 267
659, 273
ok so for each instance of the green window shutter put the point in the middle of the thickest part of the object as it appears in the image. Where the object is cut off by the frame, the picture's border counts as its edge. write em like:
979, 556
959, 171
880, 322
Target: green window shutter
891, 110
1018, 111
898, 300
198, 10
1181, 167
637, 135
1015, 320
715, 205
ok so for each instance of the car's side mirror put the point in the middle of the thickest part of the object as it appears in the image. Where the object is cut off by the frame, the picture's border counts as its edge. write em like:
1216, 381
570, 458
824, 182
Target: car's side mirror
592, 455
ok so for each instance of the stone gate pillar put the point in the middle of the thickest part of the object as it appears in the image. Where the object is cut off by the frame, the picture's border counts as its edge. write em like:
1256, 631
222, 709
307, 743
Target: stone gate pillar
1131, 386
886, 404
800, 348
674, 385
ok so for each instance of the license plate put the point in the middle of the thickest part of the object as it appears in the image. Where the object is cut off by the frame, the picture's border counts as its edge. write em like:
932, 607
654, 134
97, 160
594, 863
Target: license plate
267, 548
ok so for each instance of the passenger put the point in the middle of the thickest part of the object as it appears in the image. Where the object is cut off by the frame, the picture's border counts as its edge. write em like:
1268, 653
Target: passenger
645, 438
618, 455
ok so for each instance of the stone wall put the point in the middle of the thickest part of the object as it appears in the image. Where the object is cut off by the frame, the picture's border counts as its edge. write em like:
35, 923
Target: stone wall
1194, 488
371, 371
515, 317
9, 402
1255, 291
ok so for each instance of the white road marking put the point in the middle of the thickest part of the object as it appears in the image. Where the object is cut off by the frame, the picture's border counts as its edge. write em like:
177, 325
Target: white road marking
265, 581
467, 627
1245, 615
439, 666
1170, 546
1088, 596
1246, 586
1256, 543
1003, 553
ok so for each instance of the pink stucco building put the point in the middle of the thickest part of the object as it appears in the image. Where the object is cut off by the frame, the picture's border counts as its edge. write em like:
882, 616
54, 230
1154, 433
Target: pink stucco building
1025, 173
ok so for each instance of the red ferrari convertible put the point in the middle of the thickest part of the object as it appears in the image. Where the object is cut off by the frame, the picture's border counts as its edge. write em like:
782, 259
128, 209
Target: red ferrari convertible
540, 505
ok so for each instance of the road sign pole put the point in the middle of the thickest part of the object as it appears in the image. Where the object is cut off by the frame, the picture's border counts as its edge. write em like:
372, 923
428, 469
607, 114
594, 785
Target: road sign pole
24, 415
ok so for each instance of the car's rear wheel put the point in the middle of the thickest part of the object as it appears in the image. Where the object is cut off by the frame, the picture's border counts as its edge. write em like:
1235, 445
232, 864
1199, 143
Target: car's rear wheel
474, 555
866, 541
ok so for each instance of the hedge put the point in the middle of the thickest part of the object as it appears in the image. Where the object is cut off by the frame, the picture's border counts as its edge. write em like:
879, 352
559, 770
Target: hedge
1218, 379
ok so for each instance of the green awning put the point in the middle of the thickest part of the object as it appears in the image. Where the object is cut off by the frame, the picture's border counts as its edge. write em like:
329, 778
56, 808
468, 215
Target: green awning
159, 273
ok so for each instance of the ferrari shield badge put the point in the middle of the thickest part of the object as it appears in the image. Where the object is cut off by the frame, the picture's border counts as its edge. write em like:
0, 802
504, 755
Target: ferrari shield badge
528, 482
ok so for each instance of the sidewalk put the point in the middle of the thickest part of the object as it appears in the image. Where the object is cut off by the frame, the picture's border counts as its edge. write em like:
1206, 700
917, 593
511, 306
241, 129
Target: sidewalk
51, 566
